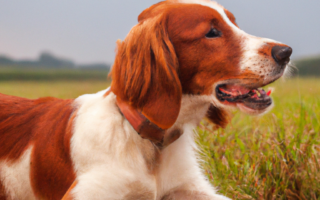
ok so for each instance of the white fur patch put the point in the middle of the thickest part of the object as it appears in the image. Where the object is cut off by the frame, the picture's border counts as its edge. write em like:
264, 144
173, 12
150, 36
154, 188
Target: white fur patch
181, 170
104, 150
193, 109
107, 158
181, 166
16, 177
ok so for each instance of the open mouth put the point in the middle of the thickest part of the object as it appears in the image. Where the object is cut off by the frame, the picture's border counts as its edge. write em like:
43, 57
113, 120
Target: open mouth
256, 99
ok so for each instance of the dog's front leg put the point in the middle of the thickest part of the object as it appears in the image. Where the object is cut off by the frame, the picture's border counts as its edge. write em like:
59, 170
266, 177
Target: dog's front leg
180, 176
107, 183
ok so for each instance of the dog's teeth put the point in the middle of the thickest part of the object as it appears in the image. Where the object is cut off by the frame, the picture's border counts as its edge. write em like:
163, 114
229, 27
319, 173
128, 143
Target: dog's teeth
258, 93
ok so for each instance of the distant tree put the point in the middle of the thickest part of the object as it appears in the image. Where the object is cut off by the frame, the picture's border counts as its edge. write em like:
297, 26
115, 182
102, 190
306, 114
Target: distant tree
309, 66
48, 60
94, 66
4, 60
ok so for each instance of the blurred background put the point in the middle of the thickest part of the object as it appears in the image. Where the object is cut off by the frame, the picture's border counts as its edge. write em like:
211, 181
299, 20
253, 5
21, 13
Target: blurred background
65, 48
80, 34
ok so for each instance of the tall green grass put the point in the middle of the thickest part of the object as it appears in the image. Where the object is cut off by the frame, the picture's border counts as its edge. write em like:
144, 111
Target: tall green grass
275, 156
61, 89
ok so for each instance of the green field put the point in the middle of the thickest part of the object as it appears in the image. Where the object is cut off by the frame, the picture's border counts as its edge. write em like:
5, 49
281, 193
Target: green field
51, 74
275, 156
60, 89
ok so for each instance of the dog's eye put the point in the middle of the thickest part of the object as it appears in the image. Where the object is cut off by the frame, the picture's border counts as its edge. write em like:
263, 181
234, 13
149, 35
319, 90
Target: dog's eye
213, 33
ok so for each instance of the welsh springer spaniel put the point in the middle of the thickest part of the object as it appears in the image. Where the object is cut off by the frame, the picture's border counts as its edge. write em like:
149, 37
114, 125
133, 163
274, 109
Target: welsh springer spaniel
184, 60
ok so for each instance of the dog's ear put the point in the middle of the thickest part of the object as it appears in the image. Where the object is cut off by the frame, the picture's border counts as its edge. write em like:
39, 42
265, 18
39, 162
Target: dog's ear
153, 11
218, 116
145, 73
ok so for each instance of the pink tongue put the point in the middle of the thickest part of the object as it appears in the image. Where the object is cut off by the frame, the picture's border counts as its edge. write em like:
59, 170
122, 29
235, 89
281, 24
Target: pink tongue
234, 90
269, 92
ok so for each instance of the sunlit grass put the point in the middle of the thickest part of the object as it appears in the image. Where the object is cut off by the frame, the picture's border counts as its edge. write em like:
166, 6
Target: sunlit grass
50, 74
275, 156
59, 89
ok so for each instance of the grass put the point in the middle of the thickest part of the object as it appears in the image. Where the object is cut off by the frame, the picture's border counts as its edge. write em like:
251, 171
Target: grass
50, 74
59, 89
275, 156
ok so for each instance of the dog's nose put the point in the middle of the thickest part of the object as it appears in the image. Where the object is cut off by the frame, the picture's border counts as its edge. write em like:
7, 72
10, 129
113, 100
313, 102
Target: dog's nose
281, 54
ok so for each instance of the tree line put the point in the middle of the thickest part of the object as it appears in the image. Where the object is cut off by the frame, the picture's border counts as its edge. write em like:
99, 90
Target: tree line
48, 60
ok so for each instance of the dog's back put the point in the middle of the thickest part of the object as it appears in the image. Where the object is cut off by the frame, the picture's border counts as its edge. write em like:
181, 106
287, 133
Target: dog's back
35, 131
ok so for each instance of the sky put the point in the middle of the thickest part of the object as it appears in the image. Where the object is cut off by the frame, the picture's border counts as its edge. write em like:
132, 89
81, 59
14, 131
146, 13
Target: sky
86, 31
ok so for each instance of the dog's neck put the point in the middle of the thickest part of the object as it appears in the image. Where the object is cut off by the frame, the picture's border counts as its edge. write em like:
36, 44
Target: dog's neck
193, 110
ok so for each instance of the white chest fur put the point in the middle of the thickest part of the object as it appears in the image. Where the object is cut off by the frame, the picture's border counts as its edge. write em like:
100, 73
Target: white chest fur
109, 157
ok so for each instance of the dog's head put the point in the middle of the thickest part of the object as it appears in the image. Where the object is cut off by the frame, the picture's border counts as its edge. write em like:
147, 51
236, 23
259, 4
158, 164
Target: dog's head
194, 47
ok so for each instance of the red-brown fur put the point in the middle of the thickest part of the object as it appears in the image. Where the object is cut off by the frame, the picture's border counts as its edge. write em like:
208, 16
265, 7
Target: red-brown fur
145, 73
203, 61
2, 192
152, 75
44, 124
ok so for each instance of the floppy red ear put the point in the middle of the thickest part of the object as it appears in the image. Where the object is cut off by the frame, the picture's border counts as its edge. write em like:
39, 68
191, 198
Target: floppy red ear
145, 74
153, 10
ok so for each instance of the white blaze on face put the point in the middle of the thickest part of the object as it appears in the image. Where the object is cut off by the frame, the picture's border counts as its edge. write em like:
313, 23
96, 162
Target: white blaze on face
251, 60
214, 5
217, 7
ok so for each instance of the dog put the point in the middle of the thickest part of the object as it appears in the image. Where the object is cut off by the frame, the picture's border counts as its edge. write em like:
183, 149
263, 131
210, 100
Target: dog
184, 60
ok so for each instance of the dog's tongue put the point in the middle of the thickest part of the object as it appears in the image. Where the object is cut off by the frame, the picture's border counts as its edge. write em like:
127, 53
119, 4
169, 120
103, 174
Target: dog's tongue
269, 92
234, 90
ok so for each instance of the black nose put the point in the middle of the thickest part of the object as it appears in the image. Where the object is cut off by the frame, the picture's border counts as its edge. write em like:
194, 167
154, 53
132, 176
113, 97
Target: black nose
281, 54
